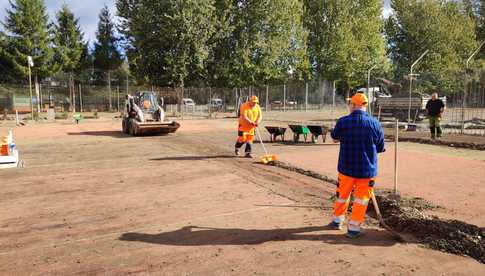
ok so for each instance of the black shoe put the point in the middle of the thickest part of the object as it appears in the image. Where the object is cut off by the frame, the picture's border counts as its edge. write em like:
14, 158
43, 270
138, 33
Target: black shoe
248, 155
236, 152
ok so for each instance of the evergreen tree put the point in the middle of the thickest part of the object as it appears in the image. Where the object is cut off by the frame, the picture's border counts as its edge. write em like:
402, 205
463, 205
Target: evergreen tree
106, 54
443, 28
69, 45
6, 67
27, 26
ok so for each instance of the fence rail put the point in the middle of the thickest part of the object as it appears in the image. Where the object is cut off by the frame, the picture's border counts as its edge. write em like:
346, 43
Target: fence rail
294, 96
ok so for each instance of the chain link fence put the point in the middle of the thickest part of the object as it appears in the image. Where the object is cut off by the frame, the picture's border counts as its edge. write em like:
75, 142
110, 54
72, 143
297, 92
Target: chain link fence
462, 115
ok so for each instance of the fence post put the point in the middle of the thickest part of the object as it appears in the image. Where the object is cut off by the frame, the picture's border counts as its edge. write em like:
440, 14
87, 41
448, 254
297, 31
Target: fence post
40, 95
210, 102
323, 93
396, 146
118, 94
73, 97
80, 99
306, 96
237, 101
333, 96
284, 97
267, 97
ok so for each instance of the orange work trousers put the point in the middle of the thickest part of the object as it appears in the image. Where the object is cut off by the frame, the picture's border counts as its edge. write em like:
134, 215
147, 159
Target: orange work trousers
361, 187
244, 137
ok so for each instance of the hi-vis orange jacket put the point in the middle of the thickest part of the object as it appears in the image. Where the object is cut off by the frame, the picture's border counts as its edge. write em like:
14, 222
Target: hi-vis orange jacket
253, 114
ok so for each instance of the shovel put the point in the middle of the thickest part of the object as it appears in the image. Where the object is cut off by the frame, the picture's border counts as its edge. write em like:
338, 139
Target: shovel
266, 158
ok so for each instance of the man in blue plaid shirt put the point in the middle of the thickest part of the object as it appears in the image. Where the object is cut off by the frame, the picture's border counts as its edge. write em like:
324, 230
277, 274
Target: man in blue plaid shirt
361, 138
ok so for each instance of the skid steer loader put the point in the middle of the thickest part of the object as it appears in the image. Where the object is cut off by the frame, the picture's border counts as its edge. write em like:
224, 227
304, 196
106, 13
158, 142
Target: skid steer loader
144, 116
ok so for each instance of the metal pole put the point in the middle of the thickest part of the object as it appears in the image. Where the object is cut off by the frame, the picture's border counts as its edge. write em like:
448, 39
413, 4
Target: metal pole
80, 99
267, 97
118, 95
73, 97
109, 90
237, 103
368, 89
30, 90
210, 102
396, 145
284, 97
333, 96
323, 93
465, 88
411, 83
306, 96
127, 84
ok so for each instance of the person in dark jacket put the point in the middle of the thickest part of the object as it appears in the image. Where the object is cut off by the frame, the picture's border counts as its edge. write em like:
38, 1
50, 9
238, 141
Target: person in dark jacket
361, 138
435, 108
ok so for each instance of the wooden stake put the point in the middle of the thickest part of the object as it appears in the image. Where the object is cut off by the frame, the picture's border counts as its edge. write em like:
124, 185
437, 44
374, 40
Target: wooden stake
396, 144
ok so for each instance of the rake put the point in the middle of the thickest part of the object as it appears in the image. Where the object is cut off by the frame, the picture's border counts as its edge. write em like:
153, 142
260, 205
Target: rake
266, 158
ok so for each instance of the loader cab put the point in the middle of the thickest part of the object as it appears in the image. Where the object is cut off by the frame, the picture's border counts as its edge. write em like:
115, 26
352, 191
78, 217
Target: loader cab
147, 101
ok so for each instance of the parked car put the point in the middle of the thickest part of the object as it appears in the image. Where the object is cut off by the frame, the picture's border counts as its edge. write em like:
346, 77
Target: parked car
188, 102
217, 104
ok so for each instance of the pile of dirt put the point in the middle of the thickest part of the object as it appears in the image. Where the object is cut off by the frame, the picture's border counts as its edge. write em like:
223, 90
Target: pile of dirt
309, 173
463, 145
452, 236
407, 215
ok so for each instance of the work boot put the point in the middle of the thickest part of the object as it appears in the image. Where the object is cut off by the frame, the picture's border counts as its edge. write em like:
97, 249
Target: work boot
248, 155
236, 152
354, 234
438, 132
335, 225
433, 133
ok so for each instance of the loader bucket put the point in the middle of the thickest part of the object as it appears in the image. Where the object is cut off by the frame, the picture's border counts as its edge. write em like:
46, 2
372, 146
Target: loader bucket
154, 128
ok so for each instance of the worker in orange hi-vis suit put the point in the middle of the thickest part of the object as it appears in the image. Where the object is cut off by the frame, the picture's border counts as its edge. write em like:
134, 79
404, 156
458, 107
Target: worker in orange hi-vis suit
249, 118
361, 139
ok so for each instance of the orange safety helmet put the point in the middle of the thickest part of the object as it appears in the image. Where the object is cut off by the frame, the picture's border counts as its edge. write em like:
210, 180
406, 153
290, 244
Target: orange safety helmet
359, 99
254, 99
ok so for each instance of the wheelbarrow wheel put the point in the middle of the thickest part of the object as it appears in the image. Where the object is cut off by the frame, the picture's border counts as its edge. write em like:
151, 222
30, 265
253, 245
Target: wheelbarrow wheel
314, 139
296, 137
304, 136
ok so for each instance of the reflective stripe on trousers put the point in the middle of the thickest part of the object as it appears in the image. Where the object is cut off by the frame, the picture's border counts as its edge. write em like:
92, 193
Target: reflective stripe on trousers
361, 188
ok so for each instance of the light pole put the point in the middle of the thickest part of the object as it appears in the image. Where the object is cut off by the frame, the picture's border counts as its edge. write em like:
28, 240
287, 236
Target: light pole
371, 99
30, 63
466, 88
411, 83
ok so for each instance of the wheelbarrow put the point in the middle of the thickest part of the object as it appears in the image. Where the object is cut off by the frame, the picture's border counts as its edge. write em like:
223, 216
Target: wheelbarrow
318, 131
78, 117
299, 130
274, 132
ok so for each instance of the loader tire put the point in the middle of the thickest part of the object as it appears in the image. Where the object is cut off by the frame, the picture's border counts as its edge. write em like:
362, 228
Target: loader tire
132, 127
124, 126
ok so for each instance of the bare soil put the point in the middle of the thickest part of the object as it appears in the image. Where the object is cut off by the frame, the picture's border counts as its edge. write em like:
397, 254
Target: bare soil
94, 201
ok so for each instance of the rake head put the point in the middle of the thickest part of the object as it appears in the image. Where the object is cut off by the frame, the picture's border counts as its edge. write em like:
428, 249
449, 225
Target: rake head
268, 158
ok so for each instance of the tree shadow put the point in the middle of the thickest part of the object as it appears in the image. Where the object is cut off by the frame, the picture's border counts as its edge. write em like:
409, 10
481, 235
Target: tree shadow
193, 158
200, 236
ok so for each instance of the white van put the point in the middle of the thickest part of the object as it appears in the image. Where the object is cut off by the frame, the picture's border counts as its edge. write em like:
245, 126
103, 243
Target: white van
188, 102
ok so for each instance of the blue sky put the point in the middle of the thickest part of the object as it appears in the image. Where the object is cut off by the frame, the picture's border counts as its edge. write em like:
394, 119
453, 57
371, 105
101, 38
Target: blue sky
87, 11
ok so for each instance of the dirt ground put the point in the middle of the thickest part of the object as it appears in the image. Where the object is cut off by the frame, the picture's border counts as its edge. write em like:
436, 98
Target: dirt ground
92, 201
